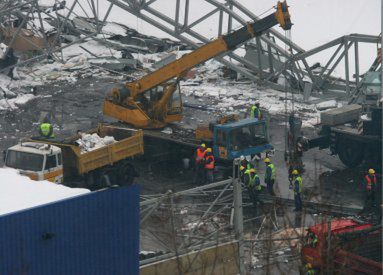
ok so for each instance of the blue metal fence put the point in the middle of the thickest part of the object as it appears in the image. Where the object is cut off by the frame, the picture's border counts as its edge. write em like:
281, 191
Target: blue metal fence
95, 234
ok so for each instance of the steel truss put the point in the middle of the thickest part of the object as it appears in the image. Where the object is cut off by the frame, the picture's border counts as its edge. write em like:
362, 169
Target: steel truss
20, 15
267, 57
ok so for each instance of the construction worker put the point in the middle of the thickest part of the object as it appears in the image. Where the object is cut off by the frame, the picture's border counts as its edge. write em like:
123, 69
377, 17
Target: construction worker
245, 163
370, 182
269, 176
309, 269
199, 177
255, 112
253, 185
297, 181
209, 165
46, 129
313, 239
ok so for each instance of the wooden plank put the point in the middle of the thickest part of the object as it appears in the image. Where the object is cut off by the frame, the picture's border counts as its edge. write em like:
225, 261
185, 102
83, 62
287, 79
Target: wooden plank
220, 259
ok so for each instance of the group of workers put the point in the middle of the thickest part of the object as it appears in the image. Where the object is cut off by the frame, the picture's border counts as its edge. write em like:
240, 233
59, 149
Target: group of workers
204, 165
250, 178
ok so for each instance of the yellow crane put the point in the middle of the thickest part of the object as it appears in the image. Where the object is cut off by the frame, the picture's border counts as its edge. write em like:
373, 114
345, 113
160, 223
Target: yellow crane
155, 99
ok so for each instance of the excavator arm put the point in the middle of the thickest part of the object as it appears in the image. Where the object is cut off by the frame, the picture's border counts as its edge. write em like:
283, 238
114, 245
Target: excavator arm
121, 102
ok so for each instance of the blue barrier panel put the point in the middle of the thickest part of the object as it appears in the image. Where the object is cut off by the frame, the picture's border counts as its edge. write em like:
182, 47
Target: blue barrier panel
96, 233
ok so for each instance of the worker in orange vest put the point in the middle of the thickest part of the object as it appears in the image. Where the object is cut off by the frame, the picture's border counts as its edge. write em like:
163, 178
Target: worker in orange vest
209, 165
199, 176
370, 182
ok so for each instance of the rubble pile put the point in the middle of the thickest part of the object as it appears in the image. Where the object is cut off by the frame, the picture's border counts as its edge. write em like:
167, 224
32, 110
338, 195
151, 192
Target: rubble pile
90, 142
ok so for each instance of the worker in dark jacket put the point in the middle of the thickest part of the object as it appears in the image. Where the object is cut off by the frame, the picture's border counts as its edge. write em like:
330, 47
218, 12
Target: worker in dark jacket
209, 165
199, 177
253, 185
370, 183
297, 182
46, 129
270, 176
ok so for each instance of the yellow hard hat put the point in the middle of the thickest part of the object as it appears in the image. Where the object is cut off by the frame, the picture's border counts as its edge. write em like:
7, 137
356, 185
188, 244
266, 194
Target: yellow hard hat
266, 160
208, 150
241, 167
252, 170
371, 171
295, 172
203, 145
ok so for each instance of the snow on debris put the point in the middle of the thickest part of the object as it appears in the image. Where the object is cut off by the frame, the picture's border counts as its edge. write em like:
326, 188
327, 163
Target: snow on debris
111, 28
15, 103
18, 192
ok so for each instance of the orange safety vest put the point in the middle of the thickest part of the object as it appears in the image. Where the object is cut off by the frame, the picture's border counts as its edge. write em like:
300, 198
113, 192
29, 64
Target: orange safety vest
210, 165
200, 155
370, 182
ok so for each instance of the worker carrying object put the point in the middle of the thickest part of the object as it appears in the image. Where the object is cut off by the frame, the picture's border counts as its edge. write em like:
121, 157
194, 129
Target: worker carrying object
370, 182
253, 185
269, 176
46, 129
297, 181
209, 165
255, 112
199, 177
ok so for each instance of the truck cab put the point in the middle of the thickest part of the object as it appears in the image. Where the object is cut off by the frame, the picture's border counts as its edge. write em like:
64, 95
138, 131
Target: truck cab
36, 160
244, 137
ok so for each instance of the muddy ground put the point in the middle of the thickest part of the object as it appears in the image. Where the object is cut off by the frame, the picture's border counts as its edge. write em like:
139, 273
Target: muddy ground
79, 106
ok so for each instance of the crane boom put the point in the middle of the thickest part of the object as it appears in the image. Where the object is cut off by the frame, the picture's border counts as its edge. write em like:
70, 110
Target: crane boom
143, 116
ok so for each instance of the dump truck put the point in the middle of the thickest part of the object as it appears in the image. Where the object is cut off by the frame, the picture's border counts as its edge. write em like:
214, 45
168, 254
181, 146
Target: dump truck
62, 161
343, 246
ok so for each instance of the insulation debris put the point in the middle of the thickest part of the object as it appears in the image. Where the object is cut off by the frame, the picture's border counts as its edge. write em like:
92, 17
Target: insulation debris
90, 142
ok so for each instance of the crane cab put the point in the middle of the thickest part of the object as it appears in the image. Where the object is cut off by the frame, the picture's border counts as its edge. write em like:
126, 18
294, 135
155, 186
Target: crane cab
36, 160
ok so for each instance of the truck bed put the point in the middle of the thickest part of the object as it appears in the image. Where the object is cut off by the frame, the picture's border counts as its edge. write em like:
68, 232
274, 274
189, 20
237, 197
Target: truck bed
129, 143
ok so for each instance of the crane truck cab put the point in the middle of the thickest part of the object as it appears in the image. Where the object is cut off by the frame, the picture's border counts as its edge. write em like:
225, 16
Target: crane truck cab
355, 247
36, 160
245, 137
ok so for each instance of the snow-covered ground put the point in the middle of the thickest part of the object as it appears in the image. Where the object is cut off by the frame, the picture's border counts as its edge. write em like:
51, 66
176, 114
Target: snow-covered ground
19, 192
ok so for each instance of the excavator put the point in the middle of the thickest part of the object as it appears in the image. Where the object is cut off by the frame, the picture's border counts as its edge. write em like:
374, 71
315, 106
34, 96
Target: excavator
155, 100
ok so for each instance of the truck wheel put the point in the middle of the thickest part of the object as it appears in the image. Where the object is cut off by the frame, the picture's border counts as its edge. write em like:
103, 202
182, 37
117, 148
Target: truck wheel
106, 178
350, 152
126, 174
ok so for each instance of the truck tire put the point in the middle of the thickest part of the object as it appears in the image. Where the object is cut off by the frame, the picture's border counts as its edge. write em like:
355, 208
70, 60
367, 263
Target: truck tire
126, 174
350, 152
106, 178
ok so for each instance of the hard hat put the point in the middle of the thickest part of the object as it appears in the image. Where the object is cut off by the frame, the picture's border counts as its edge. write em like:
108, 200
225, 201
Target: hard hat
309, 266
208, 150
266, 160
242, 157
203, 145
252, 170
241, 168
295, 172
371, 171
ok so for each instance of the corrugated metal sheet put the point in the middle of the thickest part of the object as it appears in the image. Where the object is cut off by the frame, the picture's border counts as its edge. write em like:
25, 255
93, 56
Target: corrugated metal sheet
97, 233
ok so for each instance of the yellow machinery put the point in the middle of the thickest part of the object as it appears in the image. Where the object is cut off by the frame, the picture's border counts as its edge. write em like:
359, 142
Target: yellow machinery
205, 132
155, 99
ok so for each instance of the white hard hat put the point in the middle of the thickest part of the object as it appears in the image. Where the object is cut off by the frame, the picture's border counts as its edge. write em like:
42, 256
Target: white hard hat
242, 158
